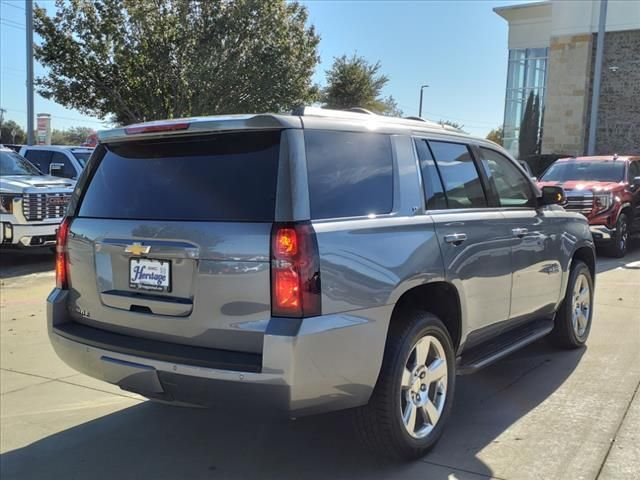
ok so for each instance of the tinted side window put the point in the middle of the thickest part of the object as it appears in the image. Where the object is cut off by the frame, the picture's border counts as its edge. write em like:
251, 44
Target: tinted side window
634, 170
350, 174
40, 158
433, 190
67, 169
459, 174
513, 189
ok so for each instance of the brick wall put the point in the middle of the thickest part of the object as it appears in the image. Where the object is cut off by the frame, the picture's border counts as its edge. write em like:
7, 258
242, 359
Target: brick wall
619, 111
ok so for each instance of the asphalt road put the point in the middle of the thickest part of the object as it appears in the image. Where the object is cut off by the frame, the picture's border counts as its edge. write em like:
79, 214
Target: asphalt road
539, 414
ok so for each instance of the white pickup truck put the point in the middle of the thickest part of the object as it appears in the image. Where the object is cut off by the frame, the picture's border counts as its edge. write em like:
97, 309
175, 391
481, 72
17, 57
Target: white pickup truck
31, 204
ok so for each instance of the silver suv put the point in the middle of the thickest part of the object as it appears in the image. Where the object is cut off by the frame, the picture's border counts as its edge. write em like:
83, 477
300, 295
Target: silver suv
313, 262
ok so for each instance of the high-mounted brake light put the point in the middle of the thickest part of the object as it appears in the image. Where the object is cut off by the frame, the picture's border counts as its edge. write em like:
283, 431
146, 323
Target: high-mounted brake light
62, 268
157, 127
295, 271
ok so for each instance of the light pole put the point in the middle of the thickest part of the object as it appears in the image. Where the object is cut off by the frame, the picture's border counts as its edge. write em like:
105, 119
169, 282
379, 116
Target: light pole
29, 19
597, 78
422, 87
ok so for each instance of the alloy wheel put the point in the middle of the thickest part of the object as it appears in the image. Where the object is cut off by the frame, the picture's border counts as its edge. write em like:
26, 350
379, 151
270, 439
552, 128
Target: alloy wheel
581, 310
424, 387
624, 235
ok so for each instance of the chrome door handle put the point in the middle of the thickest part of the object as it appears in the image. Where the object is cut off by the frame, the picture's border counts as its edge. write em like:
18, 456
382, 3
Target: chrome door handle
520, 232
455, 238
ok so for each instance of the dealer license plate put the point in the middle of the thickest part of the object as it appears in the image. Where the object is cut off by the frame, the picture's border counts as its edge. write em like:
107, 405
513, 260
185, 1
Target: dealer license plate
150, 274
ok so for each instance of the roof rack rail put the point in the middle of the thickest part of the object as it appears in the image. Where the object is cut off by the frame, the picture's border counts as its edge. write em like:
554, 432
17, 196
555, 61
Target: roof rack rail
360, 110
363, 114
416, 118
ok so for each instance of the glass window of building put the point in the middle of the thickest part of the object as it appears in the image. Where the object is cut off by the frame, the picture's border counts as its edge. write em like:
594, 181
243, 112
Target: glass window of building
526, 74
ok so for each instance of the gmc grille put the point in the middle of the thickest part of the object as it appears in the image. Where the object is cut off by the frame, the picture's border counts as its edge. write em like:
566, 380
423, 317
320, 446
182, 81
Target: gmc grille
580, 203
42, 206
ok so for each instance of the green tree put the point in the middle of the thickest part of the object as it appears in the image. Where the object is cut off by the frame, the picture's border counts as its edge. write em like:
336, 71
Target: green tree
528, 138
391, 107
453, 124
58, 137
12, 133
354, 82
134, 60
495, 135
72, 136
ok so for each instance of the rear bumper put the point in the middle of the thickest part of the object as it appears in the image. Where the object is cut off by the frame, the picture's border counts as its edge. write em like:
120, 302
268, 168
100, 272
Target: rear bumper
17, 235
602, 232
330, 363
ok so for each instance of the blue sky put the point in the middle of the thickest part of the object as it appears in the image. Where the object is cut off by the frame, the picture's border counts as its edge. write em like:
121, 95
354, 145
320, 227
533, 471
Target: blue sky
458, 48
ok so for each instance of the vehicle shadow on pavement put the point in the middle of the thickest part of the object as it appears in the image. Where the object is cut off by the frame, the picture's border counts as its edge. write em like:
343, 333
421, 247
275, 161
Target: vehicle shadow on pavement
604, 264
157, 441
15, 263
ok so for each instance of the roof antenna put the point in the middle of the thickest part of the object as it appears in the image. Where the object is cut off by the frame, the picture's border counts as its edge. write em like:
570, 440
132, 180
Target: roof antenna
615, 156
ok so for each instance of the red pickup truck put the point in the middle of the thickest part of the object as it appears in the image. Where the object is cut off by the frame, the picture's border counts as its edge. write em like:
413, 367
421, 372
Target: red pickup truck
606, 189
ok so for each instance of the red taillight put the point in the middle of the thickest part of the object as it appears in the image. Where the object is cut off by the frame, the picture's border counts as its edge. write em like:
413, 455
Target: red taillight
295, 271
156, 127
62, 274
286, 242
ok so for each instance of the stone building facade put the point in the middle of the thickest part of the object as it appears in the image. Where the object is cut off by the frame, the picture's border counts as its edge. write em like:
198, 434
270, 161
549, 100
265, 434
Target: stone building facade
567, 100
568, 32
618, 127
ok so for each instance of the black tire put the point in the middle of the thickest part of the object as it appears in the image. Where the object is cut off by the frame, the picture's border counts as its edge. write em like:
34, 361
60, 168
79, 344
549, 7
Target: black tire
617, 247
564, 334
379, 423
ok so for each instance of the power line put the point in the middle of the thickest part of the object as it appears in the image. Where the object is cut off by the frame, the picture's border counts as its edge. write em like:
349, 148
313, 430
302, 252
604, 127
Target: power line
447, 117
14, 24
60, 117
18, 7
467, 122
12, 69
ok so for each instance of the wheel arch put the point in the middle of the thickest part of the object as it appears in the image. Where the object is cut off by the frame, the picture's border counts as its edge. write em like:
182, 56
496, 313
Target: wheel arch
627, 210
587, 255
440, 298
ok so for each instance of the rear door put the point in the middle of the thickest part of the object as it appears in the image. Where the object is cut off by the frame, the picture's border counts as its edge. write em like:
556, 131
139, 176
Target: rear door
171, 239
473, 237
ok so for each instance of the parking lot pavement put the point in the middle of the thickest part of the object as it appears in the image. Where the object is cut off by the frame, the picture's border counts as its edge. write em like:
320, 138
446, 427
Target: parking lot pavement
539, 414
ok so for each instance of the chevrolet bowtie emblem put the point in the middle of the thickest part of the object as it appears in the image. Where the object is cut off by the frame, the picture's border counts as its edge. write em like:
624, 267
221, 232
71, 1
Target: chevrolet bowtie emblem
138, 249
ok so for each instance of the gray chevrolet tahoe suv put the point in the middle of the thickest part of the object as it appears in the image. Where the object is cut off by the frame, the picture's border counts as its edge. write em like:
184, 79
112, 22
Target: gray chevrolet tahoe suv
313, 262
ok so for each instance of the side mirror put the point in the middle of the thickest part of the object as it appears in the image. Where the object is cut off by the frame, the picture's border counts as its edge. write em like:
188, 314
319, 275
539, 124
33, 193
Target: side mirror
55, 169
553, 196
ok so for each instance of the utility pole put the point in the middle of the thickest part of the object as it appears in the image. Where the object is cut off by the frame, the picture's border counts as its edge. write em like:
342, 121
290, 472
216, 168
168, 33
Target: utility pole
29, 25
597, 76
422, 87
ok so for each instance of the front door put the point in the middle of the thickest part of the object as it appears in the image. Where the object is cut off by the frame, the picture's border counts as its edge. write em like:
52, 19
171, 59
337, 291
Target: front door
535, 240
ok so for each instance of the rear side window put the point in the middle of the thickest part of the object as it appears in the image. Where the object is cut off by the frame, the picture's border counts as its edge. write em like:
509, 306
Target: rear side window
459, 174
350, 174
430, 177
67, 169
224, 177
82, 157
40, 158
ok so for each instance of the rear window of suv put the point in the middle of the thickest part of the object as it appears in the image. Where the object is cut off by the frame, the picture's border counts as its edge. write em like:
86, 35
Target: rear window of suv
350, 174
223, 177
